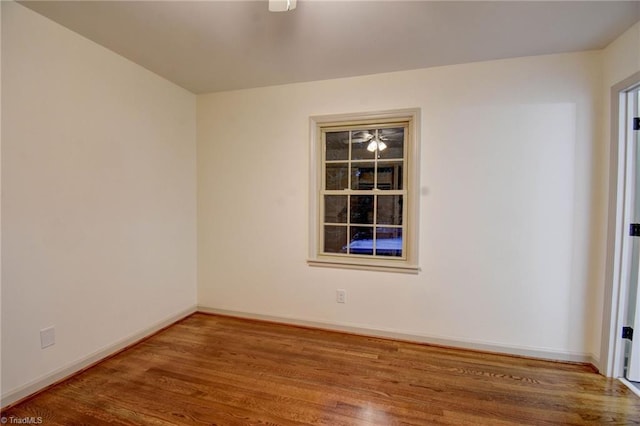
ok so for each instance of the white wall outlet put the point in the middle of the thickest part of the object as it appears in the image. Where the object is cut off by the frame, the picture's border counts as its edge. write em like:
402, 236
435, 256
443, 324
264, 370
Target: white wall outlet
341, 296
47, 337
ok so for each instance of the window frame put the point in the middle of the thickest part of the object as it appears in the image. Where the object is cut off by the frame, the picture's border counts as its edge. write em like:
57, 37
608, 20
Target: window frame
408, 263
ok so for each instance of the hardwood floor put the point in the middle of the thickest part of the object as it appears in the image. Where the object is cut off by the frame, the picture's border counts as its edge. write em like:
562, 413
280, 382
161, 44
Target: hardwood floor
218, 370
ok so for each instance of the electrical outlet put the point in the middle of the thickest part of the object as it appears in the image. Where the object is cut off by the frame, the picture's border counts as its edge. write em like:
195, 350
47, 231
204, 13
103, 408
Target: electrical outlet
341, 296
47, 337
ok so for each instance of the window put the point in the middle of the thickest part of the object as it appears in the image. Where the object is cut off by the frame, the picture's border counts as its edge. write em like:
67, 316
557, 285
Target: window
364, 181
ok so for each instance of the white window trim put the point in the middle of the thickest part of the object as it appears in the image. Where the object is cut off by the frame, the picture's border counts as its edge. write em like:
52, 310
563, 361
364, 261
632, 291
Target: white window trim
316, 258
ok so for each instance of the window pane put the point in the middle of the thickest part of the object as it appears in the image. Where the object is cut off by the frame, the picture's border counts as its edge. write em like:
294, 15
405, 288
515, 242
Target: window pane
389, 242
360, 140
361, 209
361, 241
390, 175
389, 210
335, 239
337, 146
337, 176
362, 176
394, 141
335, 209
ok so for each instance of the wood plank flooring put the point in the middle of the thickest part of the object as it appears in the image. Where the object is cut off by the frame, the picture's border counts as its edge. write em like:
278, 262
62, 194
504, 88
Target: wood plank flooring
208, 370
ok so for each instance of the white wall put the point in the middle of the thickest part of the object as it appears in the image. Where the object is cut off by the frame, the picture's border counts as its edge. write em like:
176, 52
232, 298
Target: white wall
98, 202
508, 158
622, 58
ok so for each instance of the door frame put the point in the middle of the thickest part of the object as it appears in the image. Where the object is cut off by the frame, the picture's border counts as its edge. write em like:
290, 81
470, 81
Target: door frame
615, 291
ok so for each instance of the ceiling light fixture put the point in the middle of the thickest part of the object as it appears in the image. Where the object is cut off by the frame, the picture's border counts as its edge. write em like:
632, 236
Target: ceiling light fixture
281, 5
376, 145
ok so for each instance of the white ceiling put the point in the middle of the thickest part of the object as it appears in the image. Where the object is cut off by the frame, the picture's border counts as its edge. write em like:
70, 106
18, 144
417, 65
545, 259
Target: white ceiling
207, 46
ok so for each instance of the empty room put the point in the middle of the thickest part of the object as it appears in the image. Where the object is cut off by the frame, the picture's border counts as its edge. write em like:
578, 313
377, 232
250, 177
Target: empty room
320, 212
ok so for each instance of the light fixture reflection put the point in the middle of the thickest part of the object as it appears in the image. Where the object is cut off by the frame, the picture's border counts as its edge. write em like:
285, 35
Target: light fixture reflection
376, 145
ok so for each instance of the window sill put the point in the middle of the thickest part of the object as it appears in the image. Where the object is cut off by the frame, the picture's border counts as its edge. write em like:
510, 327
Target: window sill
364, 266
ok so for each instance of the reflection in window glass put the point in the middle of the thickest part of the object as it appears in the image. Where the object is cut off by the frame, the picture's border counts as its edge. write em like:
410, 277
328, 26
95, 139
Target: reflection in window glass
389, 211
360, 140
364, 190
389, 175
335, 238
337, 146
362, 176
361, 209
393, 140
361, 241
388, 242
335, 208
337, 176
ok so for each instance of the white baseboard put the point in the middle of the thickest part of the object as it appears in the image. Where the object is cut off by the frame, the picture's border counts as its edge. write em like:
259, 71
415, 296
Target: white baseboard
631, 386
433, 340
56, 376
